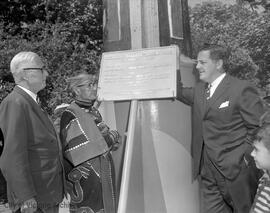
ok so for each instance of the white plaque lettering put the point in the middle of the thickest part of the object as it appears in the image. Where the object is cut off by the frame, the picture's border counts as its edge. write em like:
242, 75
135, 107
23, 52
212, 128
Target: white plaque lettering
138, 74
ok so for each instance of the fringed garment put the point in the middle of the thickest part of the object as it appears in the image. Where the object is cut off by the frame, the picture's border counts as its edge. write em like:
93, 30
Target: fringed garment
87, 143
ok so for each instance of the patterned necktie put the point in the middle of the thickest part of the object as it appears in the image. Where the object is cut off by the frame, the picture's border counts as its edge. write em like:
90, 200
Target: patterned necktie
208, 87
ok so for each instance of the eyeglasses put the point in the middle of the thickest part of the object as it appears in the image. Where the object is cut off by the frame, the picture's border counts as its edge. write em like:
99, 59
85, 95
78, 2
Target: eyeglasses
90, 85
42, 69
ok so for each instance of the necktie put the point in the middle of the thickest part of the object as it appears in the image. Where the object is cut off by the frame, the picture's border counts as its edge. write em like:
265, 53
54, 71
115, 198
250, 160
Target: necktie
208, 87
39, 103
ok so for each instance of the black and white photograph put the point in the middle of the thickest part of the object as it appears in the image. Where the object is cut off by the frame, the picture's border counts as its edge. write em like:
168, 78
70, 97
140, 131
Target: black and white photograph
134, 106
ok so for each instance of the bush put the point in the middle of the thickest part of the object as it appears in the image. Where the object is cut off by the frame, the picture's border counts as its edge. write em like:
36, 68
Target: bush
244, 31
64, 57
67, 34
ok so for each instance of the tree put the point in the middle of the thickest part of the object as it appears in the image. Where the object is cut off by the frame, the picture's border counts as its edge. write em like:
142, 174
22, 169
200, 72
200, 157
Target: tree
69, 44
82, 17
244, 31
19, 11
255, 4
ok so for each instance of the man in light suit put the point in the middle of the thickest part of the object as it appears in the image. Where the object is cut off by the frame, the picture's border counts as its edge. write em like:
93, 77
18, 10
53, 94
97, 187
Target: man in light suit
225, 116
31, 160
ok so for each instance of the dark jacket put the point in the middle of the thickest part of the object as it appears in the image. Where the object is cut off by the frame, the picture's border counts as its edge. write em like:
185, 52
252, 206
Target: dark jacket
31, 161
3, 184
225, 124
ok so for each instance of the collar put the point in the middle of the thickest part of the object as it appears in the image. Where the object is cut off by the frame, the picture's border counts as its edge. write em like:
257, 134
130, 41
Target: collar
266, 175
84, 104
32, 95
215, 83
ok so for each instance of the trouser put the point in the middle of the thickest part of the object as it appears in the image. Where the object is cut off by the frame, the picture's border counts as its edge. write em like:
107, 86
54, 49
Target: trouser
221, 195
3, 189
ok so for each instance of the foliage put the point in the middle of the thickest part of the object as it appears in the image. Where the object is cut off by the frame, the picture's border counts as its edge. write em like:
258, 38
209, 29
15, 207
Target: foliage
244, 31
256, 4
18, 11
82, 17
68, 44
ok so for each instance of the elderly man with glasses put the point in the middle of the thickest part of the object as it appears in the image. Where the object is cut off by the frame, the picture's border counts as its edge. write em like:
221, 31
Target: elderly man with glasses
31, 160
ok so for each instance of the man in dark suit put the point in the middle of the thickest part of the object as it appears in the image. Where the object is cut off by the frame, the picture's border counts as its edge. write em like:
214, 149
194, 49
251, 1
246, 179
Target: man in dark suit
31, 160
3, 189
225, 115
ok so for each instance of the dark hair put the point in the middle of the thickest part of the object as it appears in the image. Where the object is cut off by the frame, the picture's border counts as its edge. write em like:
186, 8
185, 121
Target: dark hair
263, 133
217, 52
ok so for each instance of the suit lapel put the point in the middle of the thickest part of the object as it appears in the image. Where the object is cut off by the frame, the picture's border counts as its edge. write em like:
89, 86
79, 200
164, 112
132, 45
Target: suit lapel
36, 108
202, 97
222, 87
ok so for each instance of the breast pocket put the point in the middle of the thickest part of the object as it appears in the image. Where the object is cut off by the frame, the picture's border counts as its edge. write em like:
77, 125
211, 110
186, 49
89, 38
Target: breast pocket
222, 112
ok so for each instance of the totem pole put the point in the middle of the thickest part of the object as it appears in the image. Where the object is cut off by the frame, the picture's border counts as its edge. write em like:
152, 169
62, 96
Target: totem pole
154, 168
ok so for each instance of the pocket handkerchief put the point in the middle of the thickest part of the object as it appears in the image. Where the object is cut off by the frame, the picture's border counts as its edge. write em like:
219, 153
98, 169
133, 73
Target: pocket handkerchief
224, 104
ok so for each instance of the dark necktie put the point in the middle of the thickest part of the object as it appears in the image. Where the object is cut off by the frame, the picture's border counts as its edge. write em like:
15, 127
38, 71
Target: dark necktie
208, 87
39, 103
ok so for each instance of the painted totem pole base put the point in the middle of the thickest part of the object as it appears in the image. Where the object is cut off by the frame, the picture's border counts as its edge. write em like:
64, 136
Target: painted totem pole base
160, 179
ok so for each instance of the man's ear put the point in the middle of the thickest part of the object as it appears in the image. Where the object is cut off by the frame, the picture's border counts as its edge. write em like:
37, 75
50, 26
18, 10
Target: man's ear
219, 64
22, 75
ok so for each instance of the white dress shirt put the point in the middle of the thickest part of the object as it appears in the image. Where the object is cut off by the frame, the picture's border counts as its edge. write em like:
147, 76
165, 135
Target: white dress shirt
215, 84
32, 95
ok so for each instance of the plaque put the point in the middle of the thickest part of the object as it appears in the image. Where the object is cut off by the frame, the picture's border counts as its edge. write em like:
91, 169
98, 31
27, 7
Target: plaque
148, 73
